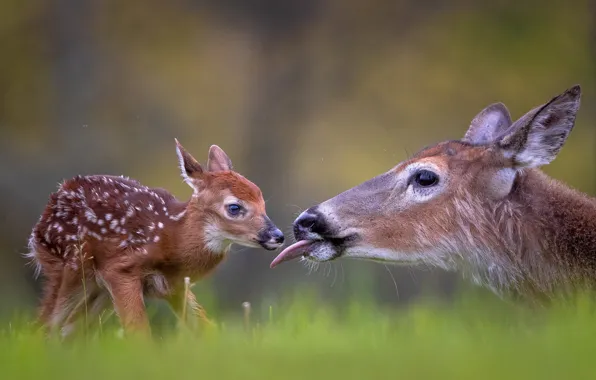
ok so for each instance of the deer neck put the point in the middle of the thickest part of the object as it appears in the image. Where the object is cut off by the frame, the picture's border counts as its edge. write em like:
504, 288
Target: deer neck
547, 233
193, 241
567, 218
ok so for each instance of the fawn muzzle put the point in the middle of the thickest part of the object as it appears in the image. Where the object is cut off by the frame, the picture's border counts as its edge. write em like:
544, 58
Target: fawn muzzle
270, 236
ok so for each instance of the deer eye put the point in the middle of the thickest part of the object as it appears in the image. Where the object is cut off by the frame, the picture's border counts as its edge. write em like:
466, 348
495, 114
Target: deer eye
234, 209
425, 178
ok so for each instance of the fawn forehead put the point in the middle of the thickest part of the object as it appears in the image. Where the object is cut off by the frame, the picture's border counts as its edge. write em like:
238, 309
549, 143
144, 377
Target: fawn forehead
239, 186
447, 155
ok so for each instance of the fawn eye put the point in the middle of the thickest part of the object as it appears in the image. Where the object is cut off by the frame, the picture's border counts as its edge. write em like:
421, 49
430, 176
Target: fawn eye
425, 178
234, 209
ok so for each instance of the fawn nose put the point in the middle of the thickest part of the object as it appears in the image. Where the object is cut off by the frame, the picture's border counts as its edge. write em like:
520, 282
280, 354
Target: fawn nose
271, 237
277, 236
310, 225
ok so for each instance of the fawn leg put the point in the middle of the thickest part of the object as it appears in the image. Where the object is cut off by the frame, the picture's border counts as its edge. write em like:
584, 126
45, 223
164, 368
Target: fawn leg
127, 296
69, 294
90, 307
48, 300
176, 302
52, 269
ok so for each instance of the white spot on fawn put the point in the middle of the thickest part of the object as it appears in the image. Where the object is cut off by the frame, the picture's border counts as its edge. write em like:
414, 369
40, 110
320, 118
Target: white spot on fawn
95, 235
160, 225
90, 215
108, 217
178, 216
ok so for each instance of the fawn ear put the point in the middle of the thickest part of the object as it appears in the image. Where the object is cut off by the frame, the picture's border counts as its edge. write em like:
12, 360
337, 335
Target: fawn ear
538, 136
488, 124
218, 160
191, 170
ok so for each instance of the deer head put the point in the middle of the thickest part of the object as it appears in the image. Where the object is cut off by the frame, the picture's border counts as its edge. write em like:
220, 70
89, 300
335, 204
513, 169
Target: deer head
454, 200
225, 205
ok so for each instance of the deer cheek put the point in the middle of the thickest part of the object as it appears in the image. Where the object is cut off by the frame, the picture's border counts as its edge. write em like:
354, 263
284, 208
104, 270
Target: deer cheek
389, 234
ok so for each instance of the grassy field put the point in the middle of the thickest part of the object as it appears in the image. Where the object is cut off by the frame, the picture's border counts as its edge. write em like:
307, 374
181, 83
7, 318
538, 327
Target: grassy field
470, 338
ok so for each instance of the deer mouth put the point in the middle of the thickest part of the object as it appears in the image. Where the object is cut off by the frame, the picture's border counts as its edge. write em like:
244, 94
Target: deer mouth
319, 250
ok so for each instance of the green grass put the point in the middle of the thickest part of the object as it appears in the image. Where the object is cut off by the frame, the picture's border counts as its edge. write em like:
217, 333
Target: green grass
471, 338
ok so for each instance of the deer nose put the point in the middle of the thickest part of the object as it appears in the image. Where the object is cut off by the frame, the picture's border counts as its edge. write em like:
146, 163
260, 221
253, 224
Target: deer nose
310, 225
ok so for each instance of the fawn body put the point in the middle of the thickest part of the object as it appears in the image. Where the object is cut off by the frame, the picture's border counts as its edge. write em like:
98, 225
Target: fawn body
479, 205
107, 238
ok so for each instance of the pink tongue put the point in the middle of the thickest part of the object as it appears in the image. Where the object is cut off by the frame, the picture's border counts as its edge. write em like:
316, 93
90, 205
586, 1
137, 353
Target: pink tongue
291, 252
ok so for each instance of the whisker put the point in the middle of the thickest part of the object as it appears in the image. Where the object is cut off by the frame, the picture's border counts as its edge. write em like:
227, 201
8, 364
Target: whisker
334, 275
295, 213
393, 278
412, 275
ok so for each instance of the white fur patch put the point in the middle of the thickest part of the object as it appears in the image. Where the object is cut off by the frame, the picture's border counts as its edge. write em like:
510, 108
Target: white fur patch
215, 241
219, 241
158, 283
185, 176
178, 216
32, 257
431, 257
501, 182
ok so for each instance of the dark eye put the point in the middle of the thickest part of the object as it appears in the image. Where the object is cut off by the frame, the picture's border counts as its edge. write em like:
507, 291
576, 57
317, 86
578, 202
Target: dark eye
234, 209
426, 178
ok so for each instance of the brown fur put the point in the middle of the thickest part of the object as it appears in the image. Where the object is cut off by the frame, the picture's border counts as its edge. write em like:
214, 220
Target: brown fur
493, 214
125, 241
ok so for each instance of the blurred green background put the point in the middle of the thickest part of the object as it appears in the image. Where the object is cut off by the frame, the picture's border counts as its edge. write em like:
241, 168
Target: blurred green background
307, 97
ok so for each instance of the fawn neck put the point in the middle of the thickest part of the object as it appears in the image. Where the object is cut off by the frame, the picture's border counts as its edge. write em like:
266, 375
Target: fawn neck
553, 241
190, 240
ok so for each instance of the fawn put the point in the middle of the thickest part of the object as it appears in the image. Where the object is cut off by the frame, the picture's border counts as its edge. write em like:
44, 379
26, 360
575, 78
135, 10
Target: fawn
105, 238
479, 205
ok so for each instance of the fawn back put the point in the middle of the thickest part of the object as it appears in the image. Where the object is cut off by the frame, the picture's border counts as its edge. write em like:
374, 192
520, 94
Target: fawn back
103, 238
479, 205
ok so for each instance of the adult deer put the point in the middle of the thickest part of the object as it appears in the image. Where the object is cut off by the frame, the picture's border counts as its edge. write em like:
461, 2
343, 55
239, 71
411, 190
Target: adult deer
105, 238
479, 205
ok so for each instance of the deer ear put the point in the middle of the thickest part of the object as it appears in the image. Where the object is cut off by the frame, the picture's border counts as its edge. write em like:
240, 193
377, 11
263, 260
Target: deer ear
488, 124
538, 136
190, 169
218, 160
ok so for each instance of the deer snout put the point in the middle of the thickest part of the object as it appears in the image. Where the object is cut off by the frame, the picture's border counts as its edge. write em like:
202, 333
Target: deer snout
271, 237
311, 225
